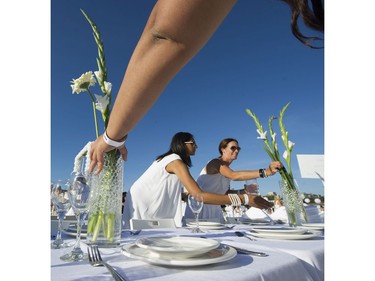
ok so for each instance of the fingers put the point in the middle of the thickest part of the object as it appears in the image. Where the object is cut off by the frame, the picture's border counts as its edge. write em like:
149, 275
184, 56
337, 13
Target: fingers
275, 167
124, 152
96, 159
97, 151
97, 155
260, 202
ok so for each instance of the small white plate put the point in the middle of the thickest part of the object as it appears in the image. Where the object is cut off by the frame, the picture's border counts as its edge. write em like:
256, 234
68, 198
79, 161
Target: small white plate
220, 254
316, 226
180, 246
287, 236
280, 230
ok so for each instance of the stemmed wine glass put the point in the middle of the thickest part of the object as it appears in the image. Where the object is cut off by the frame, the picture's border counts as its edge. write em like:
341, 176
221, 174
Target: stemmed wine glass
252, 187
79, 194
60, 200
196, 204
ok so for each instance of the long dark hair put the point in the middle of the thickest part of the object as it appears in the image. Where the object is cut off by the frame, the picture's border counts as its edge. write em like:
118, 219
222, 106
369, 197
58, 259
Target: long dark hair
178, 146
312, 17
224, 144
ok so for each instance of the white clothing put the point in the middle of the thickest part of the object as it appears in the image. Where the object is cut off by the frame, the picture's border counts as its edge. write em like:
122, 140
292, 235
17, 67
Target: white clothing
215, 183
155, 195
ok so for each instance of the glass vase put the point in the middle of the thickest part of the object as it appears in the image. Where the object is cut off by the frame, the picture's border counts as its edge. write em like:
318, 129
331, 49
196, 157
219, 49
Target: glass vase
293, 203
105, 215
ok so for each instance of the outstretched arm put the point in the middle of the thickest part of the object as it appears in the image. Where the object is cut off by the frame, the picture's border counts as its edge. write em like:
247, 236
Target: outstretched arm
178, 168
175, 31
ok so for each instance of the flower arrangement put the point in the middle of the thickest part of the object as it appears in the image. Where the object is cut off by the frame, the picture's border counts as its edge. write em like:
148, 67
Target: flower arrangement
87, 80
272, 150
105, 204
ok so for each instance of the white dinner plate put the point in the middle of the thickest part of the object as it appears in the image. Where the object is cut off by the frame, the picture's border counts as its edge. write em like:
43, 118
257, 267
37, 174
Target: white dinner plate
287, 236
220, 254
316, 226
179, 246
280, 230
207, 225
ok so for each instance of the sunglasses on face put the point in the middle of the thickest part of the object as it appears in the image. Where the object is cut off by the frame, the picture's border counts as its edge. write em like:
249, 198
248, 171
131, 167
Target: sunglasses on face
191, 142
234, 148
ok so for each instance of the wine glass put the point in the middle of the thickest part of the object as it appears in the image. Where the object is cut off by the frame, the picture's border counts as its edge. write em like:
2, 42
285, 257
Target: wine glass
196, 204
79, 194
252, 187
61, 203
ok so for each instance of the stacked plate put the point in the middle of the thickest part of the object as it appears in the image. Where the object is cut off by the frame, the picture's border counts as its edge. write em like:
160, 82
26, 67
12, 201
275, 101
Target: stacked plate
207, 225
179, 251
285, 233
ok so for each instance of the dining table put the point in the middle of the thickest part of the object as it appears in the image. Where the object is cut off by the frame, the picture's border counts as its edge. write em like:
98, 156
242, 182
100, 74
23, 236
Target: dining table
286, 260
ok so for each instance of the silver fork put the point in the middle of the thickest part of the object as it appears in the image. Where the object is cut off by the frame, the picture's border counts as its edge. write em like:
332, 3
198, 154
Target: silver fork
96, 260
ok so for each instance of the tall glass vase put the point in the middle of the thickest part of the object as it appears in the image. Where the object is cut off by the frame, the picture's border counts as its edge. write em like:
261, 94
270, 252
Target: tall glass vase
293, 203
104, 218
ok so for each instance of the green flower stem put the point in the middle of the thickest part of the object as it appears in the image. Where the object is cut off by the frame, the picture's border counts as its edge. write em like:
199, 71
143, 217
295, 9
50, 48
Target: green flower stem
94, 109
111, 226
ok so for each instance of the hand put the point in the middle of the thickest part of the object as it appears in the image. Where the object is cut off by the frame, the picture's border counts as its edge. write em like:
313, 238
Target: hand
275, 167
98, 148
259, 202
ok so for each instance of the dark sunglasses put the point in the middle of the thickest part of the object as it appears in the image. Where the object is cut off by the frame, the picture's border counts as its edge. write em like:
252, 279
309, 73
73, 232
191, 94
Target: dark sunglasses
233, 148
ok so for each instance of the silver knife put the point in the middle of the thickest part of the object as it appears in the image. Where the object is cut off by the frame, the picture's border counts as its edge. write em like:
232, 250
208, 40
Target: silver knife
244, 251
248, 252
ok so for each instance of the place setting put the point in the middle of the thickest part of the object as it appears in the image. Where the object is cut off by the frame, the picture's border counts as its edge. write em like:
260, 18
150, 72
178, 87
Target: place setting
178, 251
283, 233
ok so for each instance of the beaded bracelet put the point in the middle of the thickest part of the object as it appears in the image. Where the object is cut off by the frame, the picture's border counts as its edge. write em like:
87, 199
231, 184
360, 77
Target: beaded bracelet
234, 199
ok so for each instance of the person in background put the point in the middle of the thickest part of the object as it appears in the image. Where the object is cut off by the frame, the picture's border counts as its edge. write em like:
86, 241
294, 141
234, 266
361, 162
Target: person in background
216, 176
123, 201
157, 193
174, 33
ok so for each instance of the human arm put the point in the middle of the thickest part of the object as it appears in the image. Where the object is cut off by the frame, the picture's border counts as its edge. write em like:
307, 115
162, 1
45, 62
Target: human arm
176, 30
242, 175
178, 168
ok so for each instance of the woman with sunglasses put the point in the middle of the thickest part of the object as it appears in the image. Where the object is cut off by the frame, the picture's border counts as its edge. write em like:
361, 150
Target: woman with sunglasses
216, 176
157, 193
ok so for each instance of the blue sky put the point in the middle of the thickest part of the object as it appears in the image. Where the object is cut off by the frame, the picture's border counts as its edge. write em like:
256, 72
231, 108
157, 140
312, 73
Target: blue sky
252, 61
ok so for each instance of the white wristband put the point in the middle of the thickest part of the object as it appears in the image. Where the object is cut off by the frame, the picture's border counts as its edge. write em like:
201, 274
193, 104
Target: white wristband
246, 199
110, 142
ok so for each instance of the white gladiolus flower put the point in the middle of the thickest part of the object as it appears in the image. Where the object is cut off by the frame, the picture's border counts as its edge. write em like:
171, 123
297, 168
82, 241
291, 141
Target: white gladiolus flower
102, 102
99, 75
108, 87
262, 136
290, 144
83, 82
273, 136
285, 155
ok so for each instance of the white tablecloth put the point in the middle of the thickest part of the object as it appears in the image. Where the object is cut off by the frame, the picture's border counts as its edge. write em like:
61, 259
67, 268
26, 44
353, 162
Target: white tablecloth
288, 260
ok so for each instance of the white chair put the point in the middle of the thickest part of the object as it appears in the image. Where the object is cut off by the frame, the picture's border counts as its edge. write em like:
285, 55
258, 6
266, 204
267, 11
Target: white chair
147, 224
